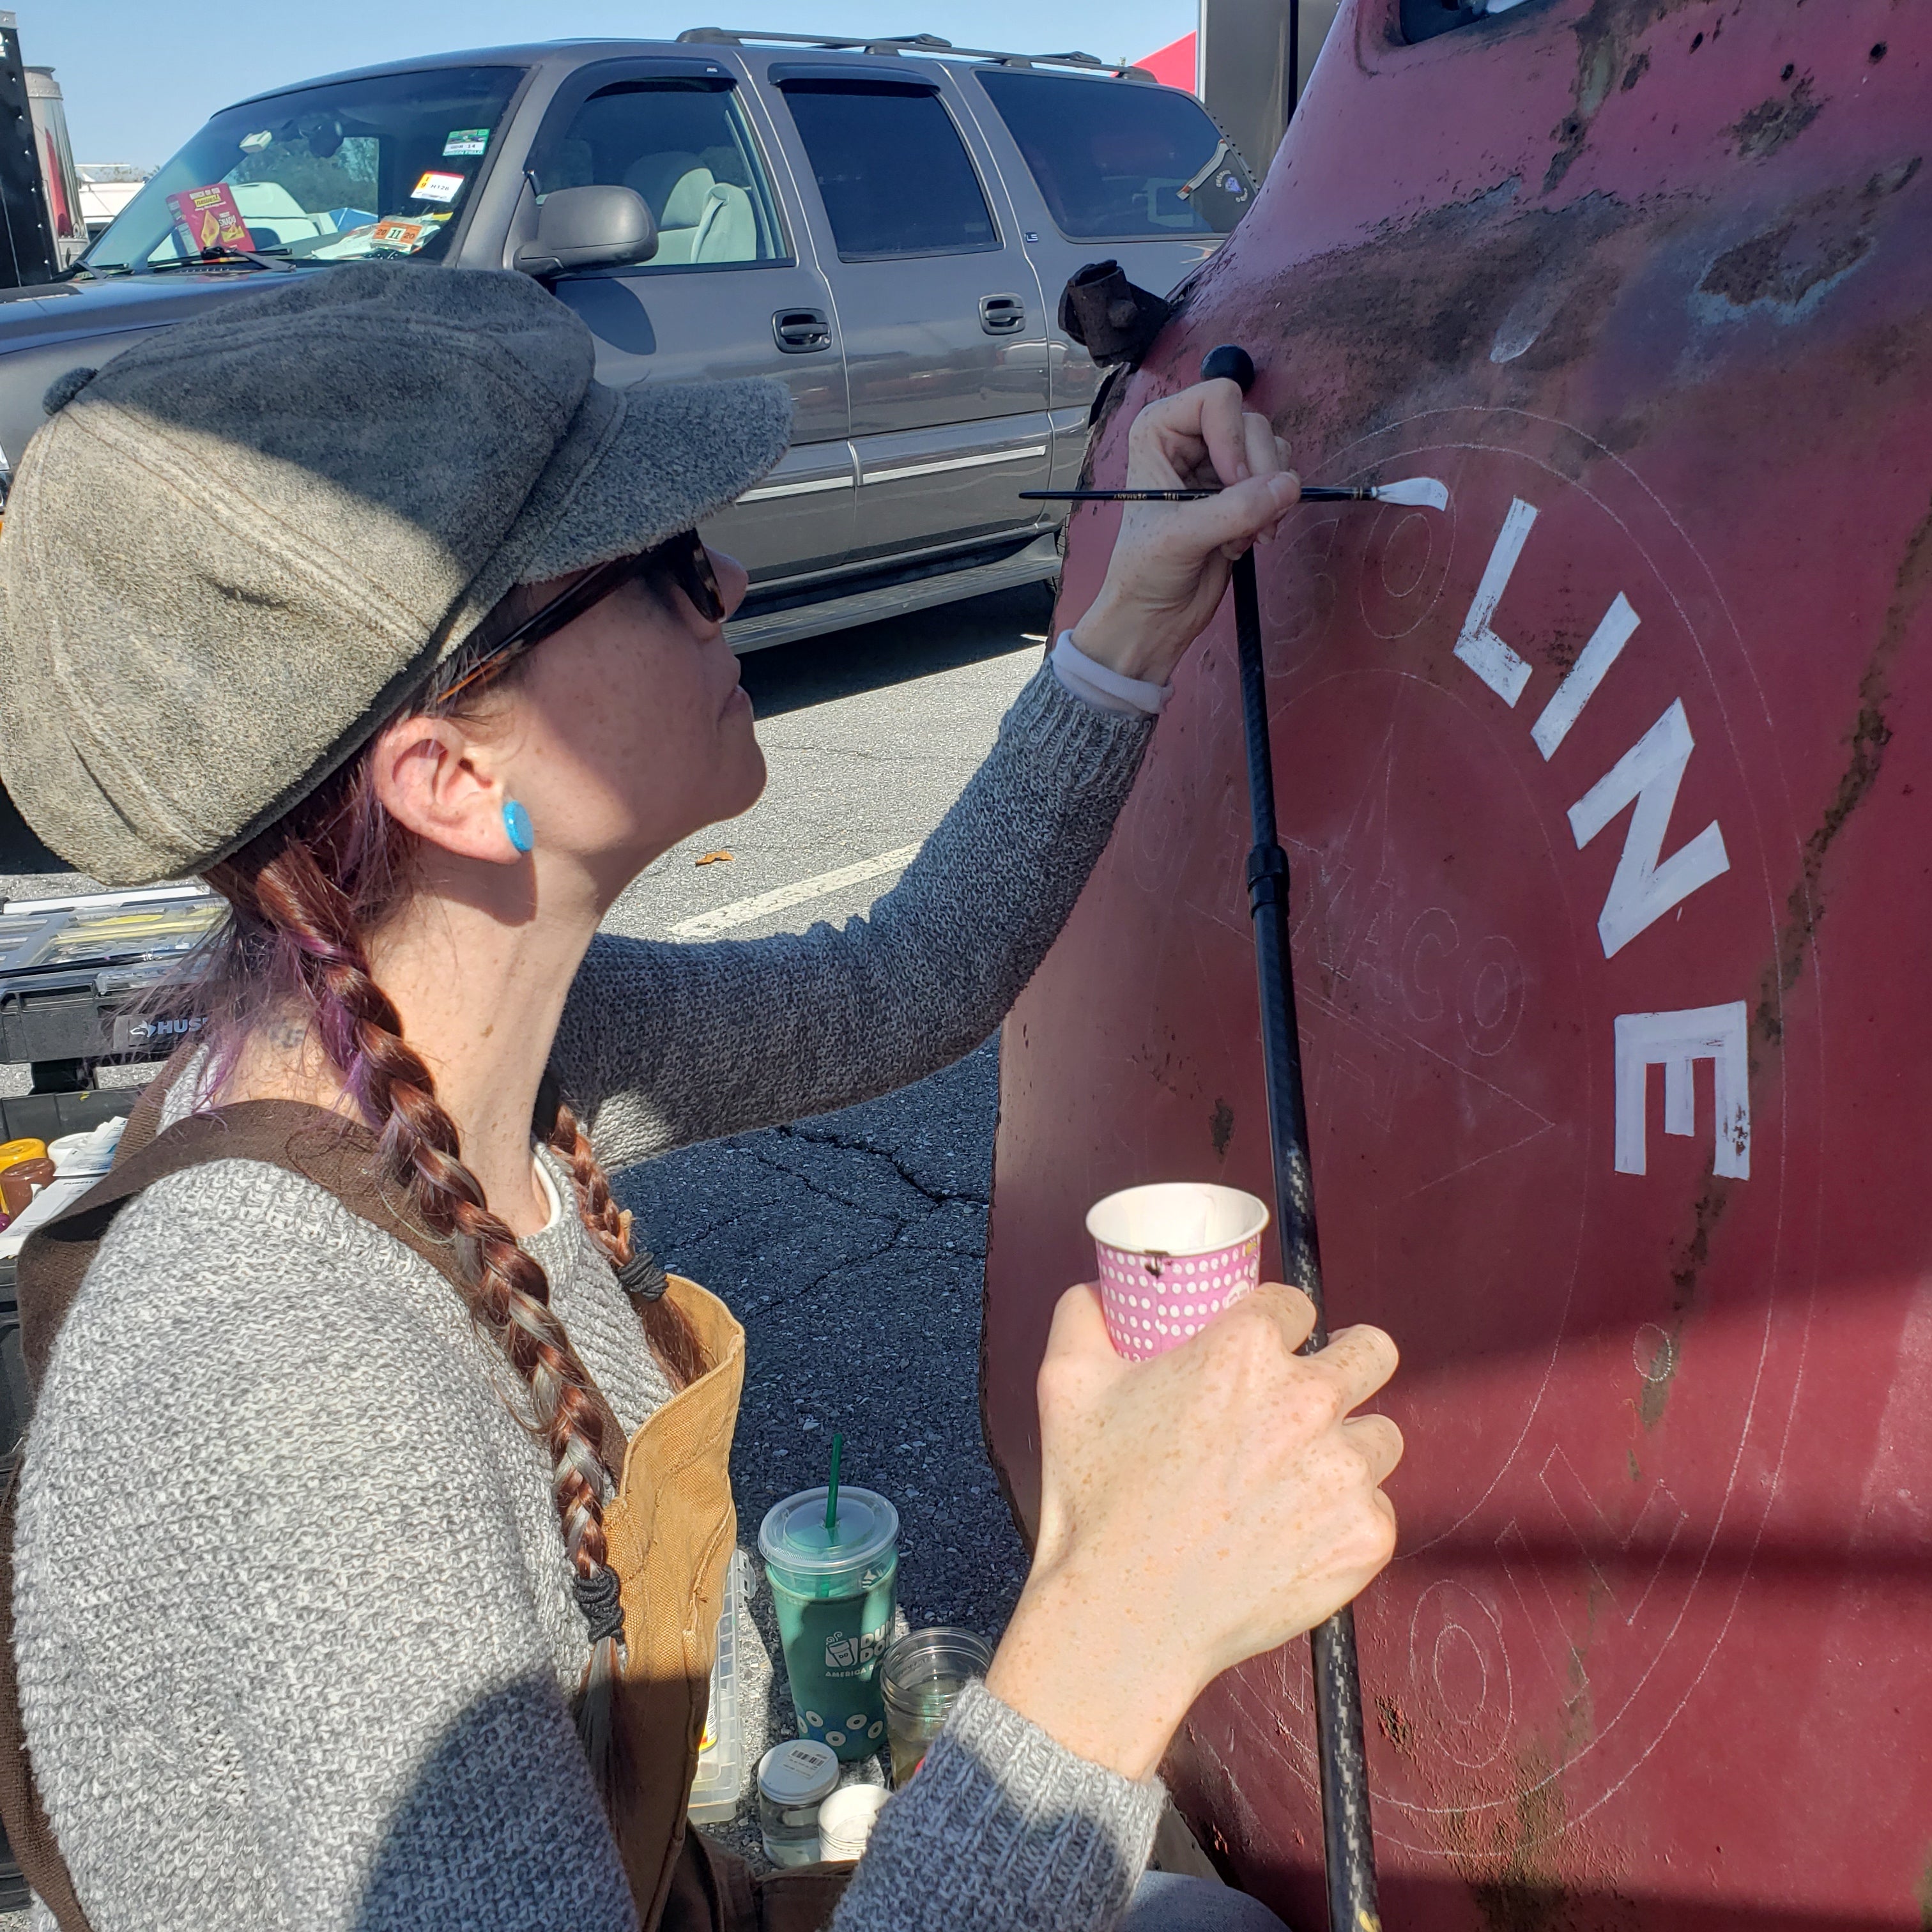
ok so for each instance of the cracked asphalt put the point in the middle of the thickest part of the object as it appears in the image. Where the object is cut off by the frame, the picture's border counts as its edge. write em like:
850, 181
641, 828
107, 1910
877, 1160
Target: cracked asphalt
852, 1249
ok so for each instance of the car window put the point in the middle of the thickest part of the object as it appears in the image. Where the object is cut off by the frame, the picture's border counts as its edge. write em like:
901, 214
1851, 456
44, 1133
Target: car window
684, 146
381, 166
1117, 160
894, 174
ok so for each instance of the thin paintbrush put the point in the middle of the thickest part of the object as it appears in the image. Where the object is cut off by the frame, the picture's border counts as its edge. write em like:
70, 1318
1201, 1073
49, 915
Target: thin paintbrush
1417, 492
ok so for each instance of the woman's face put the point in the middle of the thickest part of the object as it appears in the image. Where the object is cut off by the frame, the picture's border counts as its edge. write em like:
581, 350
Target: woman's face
628, 730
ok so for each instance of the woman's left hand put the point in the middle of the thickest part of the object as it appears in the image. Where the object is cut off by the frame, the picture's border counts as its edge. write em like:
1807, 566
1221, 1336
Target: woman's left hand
1170, 561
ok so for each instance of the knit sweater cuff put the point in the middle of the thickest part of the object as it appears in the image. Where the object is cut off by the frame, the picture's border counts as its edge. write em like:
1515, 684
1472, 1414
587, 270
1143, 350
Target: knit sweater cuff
1004, 1828
1072, 745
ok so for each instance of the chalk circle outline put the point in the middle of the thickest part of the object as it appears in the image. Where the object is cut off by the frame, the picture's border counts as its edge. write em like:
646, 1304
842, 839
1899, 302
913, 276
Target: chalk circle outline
1490, 1721
1661, 1363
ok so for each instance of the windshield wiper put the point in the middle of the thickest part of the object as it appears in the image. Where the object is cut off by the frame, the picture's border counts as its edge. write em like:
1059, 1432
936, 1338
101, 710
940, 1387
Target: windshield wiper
213, 258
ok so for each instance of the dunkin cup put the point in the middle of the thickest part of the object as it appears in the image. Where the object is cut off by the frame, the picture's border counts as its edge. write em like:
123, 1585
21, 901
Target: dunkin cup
834, 1592
1173, 1256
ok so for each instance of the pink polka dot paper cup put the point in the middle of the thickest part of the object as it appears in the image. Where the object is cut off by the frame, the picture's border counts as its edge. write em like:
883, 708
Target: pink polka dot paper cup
1173, 1256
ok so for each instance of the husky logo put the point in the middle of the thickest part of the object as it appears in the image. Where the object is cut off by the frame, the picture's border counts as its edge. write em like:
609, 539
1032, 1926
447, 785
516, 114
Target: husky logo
166, 1029
130, 1034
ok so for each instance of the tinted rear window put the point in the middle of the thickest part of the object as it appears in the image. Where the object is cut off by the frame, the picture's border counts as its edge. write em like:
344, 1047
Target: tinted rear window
1116, 160
895, 175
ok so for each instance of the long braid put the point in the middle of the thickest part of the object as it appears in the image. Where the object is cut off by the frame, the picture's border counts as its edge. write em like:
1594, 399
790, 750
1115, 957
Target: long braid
671, 1337
302, 895
291, 898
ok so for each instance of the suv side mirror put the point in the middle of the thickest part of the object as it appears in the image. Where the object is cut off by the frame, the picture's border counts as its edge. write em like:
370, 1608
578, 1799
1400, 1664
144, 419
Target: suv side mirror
589, 228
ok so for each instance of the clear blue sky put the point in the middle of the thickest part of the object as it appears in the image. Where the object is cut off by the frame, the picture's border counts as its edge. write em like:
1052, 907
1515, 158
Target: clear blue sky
140, 76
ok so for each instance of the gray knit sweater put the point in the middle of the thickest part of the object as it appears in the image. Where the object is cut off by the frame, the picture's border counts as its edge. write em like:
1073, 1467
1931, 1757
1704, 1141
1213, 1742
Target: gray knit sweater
294, 1638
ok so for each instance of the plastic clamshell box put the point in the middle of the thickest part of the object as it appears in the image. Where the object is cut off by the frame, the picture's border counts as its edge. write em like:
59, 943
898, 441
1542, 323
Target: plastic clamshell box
719, 1786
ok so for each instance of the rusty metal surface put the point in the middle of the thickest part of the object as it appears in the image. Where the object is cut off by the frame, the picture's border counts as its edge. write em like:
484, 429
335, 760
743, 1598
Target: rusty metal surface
1614, 1002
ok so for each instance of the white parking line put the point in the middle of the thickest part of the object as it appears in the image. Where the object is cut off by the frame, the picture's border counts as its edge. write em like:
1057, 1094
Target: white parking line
742, 912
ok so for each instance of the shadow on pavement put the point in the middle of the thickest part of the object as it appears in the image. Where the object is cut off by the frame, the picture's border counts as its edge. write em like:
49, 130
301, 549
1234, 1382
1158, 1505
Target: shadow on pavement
788, 677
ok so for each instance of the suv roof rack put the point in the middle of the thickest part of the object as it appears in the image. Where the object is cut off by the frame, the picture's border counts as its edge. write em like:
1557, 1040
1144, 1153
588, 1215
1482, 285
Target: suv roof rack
914, 43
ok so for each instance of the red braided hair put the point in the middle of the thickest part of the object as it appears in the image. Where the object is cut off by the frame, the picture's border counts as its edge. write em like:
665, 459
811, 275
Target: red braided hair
302, 896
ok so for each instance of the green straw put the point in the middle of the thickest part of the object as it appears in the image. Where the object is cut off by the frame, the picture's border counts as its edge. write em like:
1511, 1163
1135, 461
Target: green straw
832, 1488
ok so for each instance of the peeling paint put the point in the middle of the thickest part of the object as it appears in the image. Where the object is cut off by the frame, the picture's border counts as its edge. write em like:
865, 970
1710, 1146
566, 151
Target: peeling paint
1221, 1127
1791, 266
1604, 50
1870, 734
1394, 1725
1772, 123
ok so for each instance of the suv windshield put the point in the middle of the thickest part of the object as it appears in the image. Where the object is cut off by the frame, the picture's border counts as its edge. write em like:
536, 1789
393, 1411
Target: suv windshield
377, 166
1116, 160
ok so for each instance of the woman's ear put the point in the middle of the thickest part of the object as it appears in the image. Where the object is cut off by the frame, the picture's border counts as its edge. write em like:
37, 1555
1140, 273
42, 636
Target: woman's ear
431, 776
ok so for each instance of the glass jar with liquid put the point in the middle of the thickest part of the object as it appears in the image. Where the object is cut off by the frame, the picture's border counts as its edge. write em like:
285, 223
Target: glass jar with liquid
922, 1676
793, 1779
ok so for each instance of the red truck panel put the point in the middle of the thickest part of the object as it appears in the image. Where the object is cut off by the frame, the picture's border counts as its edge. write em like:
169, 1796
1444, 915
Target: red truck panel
1606, 797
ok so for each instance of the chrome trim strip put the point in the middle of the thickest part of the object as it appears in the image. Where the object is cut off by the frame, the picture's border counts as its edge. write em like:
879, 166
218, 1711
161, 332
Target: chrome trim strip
952, 463
1040, 559
766, 492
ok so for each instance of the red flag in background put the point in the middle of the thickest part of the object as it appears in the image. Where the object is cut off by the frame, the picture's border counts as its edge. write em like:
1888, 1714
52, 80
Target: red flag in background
1172, 65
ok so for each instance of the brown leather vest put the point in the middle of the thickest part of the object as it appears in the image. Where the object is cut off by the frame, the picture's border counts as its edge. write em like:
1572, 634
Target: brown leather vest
671, 1527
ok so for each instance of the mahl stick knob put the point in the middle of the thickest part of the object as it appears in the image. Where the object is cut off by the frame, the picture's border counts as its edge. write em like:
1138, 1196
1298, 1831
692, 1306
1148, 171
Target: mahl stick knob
1230, 362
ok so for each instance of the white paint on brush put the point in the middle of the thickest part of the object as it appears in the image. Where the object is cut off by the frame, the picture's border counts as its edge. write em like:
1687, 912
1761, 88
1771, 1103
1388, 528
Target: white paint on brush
1420, 492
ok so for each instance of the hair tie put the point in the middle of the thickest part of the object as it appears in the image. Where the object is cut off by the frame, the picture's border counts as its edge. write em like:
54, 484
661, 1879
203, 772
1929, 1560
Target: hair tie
641, 1278
599, 1597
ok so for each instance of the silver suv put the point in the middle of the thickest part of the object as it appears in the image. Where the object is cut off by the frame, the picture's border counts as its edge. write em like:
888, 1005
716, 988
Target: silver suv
885, 226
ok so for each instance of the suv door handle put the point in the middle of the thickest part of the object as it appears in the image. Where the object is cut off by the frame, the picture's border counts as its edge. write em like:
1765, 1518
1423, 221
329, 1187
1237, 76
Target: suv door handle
1002, 315
799, 331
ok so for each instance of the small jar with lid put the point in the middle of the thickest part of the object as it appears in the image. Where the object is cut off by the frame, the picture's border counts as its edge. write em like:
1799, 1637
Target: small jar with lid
793, 1779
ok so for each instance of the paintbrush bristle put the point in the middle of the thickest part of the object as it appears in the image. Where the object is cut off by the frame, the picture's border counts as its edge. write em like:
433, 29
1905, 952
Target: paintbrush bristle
1421, 492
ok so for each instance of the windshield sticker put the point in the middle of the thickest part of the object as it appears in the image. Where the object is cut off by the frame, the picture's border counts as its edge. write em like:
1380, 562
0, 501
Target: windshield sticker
207, 218
405, 233
466, 141
253, 143
434, 186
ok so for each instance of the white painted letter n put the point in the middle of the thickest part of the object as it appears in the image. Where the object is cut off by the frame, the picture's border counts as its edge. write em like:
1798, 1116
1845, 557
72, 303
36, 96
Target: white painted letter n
1645, 884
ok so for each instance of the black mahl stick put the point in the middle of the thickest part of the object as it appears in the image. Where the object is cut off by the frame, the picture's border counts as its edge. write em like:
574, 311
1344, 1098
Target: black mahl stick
1348, 1838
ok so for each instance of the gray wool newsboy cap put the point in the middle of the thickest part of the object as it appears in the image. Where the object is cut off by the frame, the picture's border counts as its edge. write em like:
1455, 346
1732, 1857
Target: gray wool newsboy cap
230, 555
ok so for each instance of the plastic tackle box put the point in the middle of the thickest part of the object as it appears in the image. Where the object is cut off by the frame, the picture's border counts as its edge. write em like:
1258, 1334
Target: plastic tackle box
68, 967
719, 1785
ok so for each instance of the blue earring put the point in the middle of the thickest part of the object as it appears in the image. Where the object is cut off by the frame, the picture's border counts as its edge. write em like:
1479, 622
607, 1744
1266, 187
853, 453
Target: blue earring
516, 824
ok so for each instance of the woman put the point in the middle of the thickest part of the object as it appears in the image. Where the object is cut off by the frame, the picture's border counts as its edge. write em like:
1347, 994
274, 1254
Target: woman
364, 1509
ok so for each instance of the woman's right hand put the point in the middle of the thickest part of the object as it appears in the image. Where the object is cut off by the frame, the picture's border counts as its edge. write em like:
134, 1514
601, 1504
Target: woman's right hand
1195, 1510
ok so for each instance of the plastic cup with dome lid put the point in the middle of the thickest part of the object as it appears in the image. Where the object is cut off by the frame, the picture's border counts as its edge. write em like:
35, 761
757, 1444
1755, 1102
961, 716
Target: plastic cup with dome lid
835, 1586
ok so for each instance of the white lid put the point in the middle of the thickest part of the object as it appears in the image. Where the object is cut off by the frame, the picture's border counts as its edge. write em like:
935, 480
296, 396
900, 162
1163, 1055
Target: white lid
845, 1820
800, 1772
